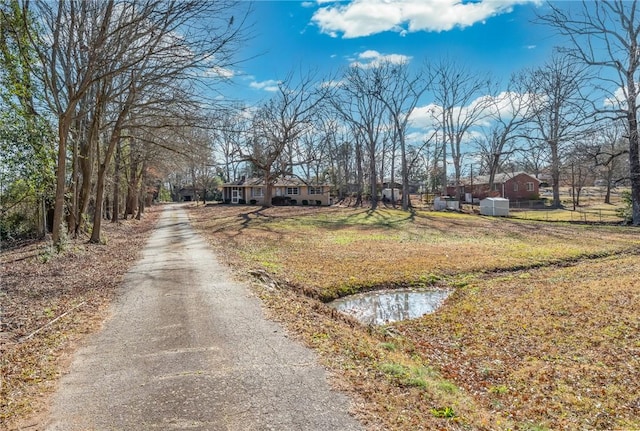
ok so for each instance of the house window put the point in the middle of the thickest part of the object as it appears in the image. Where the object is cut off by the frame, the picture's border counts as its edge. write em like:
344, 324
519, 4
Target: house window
515, 187
292, 190
495, 187
257, 192
530, 187
315, 190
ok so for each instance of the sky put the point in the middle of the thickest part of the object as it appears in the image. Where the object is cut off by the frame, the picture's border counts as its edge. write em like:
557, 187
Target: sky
498, 37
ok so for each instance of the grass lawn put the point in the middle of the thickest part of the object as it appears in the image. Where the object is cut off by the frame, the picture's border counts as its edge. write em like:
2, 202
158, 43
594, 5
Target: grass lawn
542, 331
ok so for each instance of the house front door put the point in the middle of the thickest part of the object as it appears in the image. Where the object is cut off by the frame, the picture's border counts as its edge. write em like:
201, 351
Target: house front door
235, 195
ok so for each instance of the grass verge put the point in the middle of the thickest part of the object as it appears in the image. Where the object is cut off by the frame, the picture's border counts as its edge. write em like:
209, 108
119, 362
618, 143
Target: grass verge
541, 333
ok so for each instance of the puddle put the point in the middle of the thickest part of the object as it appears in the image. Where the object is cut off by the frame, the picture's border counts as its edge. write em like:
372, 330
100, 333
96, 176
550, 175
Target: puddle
386, 306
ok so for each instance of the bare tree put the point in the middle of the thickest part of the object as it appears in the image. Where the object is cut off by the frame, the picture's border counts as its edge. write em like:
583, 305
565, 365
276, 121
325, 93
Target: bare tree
580, 172
358, 103
559, 109
276, 127
508, 113
400, 92
120, 50
608, 150
228, 130
459, 106
606, 35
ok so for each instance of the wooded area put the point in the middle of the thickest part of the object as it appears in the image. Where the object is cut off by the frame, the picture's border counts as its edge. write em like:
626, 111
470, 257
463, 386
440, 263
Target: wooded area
107, 105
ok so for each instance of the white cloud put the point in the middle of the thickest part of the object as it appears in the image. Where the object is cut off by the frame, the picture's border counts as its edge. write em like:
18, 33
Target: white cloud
371, 58
485, 108
366, 17
221, 72
618, 99
270, 85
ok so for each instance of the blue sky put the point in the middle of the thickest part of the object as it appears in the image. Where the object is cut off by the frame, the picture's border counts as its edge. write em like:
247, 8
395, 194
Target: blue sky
497, 37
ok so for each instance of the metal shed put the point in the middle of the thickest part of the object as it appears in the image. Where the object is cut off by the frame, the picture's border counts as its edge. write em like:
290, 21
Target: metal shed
494, 207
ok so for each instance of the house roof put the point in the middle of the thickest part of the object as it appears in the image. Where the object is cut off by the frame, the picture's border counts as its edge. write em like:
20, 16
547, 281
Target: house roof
280, 182
500, 178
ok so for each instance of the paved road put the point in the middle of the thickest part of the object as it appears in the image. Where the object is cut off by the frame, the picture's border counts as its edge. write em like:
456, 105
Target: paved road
188, 348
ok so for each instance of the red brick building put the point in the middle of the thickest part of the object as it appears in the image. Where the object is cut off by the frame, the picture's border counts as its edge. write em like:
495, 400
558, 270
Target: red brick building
515, 186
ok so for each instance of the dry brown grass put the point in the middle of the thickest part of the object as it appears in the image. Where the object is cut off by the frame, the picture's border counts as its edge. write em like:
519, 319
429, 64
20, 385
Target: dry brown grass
541, 333
556, 347
335, 251
50, 301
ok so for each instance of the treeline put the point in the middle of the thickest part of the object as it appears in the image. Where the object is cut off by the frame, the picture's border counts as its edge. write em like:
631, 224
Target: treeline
100, 99
371, 124
573, 118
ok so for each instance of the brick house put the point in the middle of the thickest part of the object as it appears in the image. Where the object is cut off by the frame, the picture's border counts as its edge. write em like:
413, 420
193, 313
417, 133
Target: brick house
515, 186
285, 191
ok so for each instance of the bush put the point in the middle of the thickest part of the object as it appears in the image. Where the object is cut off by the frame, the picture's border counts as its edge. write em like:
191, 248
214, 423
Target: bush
305, 202
626, 212
242, 201
227, 201
318, 203
279, 200
293, 202
253, 201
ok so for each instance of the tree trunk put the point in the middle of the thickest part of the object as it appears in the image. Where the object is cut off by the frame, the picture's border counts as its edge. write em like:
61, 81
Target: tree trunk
268, 189
116, 184
132, 184
359, 173
61, 176
373, 182
634, 165
555, 174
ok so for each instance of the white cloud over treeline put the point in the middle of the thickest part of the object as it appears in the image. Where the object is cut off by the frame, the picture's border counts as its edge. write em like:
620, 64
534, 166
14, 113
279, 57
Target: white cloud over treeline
360, 18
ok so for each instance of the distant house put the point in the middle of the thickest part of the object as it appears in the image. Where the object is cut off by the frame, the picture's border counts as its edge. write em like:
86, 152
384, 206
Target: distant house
515, 186
188, 194
285, 191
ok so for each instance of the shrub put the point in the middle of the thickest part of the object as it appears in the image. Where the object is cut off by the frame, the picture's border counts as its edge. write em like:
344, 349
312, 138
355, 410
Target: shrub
318, 203
305, 202
278, 200
626, 212
253, 201
293, 202
242, 201
227, 201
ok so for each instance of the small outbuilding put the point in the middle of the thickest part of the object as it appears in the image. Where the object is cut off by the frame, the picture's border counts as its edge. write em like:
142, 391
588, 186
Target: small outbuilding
389, 195
441, 203
494, 207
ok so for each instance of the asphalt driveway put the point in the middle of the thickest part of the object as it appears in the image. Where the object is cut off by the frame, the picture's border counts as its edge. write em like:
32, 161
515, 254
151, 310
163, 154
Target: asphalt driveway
187, 347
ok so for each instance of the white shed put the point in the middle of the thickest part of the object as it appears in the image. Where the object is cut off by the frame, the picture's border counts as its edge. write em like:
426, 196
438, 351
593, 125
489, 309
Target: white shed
443, 203
494, 207
387, 193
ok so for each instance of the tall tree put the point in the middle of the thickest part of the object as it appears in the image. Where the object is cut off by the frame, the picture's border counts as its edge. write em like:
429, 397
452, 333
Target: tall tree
458, 107
606, 35
132, 54
26, 143
400, 91
277, 126
560, 109
358, 103
508, 112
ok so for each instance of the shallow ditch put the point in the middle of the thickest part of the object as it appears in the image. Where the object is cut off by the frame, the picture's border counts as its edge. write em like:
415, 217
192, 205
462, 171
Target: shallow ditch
386, 306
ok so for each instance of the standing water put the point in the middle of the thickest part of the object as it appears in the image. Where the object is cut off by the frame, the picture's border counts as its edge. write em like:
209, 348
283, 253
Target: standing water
387, 306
